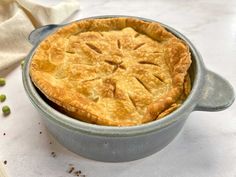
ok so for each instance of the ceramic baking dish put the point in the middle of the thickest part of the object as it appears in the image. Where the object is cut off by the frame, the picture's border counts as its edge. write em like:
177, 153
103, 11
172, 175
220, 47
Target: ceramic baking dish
210, 92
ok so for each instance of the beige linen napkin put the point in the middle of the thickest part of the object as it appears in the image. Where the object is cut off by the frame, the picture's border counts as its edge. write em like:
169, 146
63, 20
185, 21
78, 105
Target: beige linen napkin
19, 17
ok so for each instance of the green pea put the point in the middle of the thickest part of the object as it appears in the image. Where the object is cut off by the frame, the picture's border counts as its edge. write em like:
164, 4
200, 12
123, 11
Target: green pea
2, 81
22, 63
6, 110
2, 97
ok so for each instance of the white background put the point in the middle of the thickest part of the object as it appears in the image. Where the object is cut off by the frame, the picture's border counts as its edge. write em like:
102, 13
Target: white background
205, 148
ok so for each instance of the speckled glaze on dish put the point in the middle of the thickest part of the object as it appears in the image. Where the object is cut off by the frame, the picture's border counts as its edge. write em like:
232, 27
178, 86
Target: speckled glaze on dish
210, 92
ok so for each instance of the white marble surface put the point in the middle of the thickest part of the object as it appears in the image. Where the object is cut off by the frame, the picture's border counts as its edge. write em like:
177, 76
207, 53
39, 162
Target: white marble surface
205, 148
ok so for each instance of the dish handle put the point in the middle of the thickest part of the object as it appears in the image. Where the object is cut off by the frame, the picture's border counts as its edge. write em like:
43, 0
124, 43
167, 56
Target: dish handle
217, 93
40, 33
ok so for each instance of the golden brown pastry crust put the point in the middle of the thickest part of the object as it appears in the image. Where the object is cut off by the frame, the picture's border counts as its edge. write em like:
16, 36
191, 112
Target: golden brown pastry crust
115, 71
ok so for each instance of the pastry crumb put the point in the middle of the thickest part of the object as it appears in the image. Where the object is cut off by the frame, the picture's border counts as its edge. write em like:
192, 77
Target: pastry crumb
71, 170
53, 154
75, 172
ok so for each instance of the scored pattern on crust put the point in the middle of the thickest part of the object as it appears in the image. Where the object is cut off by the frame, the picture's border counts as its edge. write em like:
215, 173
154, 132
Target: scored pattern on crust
116, 71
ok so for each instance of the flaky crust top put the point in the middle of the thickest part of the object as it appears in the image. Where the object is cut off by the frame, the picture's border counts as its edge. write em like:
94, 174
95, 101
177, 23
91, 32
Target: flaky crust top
115, 71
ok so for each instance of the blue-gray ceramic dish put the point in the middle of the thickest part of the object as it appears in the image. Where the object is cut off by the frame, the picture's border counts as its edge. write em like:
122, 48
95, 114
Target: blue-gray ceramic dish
210, 92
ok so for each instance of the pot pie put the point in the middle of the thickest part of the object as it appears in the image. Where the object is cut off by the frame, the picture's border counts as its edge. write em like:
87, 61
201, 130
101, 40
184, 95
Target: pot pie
114, 71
